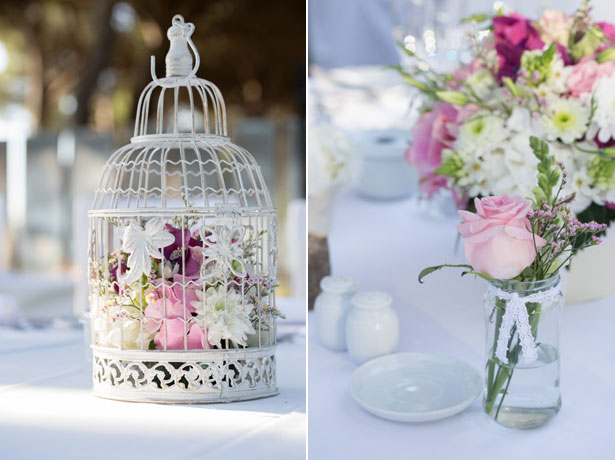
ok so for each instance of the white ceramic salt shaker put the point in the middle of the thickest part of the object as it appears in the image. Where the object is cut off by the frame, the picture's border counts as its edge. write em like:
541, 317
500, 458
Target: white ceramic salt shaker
372, 326
331, 308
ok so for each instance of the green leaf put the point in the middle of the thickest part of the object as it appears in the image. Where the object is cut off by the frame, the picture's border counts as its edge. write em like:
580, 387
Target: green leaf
606, 55
453, 97
428, 270
452, 165
477, 18
511, 86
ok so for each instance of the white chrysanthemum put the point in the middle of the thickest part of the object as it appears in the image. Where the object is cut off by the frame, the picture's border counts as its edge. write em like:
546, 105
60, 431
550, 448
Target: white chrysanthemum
566, 119
480, 134
481, 82
223, 315
603, 121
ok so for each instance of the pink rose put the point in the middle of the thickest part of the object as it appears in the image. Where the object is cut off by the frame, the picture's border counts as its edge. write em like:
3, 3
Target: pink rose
497, 239
586, 72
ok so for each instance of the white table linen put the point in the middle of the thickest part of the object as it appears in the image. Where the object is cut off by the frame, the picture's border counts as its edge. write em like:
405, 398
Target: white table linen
47, 410
385, 245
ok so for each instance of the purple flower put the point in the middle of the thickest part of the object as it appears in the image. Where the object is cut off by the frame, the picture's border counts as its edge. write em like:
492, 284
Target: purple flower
113, 268
513, 35
175, 251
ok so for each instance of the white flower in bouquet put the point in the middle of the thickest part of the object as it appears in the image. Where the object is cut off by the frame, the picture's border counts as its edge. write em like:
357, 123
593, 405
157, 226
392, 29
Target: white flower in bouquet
223, 315
603, 121
557, 80
130, 334
519, 120
480, 134
481, 82
565, 119
119, 327
521, 163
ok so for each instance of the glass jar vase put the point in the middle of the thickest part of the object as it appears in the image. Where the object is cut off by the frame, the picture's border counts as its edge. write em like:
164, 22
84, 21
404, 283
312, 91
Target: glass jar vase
522, 370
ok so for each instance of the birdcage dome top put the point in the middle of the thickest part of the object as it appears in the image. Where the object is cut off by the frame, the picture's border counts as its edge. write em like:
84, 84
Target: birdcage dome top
180, 158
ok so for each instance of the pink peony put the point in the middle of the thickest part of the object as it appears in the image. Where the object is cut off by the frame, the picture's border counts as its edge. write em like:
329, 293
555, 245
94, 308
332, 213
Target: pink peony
497, 239
513, 35
586, 72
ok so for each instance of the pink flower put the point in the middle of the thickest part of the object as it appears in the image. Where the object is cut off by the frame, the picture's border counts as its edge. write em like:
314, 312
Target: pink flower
513, 35
609, 33
170, 330
497, 239
586, 72
432, 133
554, 27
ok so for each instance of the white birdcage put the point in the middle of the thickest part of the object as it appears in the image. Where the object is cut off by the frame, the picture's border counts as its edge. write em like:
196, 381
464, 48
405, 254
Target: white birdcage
182, 252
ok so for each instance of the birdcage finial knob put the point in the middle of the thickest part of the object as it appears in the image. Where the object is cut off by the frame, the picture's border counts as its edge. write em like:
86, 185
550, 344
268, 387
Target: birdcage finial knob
179, 60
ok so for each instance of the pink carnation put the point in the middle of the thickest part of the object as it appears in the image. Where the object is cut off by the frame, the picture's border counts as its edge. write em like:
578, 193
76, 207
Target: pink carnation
586, 72
434, 131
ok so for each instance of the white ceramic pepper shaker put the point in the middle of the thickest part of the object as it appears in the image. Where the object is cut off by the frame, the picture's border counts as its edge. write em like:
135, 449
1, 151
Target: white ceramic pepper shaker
331, 308
372, 326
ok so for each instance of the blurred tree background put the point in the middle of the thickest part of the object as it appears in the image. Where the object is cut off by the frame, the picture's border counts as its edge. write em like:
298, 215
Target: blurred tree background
86, 62
71, 72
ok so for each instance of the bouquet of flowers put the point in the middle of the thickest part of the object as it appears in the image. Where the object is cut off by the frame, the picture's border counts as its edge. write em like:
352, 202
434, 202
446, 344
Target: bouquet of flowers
519, 245
553, 78
201, 291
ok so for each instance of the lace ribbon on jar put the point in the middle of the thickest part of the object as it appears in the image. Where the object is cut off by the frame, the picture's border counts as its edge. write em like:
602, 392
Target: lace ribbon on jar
516, 314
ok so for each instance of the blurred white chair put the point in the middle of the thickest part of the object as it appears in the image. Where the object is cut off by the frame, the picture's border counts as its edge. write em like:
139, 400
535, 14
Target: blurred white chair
296, 246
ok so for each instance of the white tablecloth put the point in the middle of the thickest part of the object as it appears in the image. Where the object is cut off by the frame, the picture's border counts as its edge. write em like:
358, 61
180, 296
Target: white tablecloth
384, 245
48, 412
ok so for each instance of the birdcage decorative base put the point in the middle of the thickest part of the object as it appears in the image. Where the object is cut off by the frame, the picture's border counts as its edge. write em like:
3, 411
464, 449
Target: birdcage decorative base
209, 376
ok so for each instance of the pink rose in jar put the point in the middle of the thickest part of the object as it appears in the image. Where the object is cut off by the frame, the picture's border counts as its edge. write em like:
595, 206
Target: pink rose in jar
497, 238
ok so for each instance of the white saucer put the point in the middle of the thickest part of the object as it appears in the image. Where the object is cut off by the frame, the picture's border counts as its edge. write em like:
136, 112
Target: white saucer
415, 387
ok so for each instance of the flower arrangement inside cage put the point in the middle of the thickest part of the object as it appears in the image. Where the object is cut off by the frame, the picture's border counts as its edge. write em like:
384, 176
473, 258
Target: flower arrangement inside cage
182, 254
